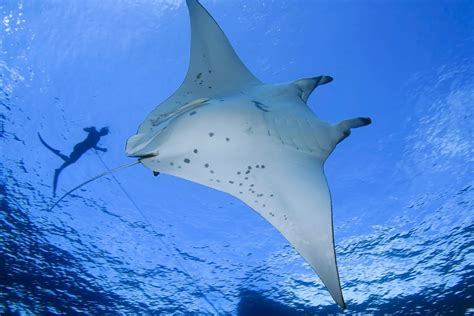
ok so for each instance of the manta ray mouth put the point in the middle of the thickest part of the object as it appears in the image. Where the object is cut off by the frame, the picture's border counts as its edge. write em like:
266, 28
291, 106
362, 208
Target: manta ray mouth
144, 156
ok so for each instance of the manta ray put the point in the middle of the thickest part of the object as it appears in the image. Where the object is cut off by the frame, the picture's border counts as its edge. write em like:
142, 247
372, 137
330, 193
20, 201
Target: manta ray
261, 143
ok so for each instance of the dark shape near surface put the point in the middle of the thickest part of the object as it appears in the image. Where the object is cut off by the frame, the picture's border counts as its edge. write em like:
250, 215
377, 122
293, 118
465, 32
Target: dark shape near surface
90, 142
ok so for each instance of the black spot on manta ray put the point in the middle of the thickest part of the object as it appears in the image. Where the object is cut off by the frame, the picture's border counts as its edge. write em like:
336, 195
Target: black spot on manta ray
206, 165
211, 134
227, 139
186, 160
209, 87
260, 106
198, 76
192, 113
195, 151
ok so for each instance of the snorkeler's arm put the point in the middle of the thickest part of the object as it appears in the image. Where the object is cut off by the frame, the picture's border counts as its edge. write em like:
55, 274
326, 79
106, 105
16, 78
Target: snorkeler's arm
100, 148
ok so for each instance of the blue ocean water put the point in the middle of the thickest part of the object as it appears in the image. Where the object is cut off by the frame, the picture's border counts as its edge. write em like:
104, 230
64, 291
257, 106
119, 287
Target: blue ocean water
132, 243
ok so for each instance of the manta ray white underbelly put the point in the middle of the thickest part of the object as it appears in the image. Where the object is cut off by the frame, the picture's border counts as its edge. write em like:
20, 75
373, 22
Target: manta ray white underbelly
261, 143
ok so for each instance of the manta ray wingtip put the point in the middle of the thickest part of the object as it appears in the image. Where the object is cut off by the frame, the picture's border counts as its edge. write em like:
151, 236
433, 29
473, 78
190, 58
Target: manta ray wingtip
340, 301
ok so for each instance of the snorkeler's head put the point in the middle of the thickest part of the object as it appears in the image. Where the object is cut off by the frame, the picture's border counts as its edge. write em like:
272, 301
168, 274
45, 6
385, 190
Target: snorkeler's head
104, 131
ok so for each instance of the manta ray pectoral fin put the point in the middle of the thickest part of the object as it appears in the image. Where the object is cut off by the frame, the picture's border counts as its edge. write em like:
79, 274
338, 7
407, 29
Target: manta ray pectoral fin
296, 200
212, 56
343, 128
214, 67
306, 86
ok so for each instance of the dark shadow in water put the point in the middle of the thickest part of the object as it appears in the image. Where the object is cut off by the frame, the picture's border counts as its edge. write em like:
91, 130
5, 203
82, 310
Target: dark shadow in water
440, 301
40, 278
90, 142
253, 303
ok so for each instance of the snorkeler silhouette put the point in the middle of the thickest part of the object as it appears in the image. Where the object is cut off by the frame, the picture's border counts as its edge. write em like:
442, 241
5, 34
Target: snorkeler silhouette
90, 142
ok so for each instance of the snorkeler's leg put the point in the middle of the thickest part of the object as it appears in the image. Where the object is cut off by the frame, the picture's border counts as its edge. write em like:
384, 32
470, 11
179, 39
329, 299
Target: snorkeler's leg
56, 176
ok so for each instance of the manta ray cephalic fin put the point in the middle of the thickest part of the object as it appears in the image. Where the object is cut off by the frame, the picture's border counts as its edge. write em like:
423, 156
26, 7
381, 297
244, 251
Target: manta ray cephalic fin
307, 85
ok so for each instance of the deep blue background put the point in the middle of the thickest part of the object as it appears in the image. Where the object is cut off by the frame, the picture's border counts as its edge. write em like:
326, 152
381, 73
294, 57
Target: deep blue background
402, 187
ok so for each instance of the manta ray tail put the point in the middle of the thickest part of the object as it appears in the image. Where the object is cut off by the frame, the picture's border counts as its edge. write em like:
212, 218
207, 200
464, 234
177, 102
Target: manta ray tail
54, 151
355, 122
92, 179
344, 127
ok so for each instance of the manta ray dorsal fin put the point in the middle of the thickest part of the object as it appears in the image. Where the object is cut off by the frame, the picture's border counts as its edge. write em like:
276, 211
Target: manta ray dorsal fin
306, 86
214, 67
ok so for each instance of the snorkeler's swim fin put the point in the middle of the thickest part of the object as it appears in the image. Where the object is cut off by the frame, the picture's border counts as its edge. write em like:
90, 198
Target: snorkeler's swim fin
55, 181
54, 151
